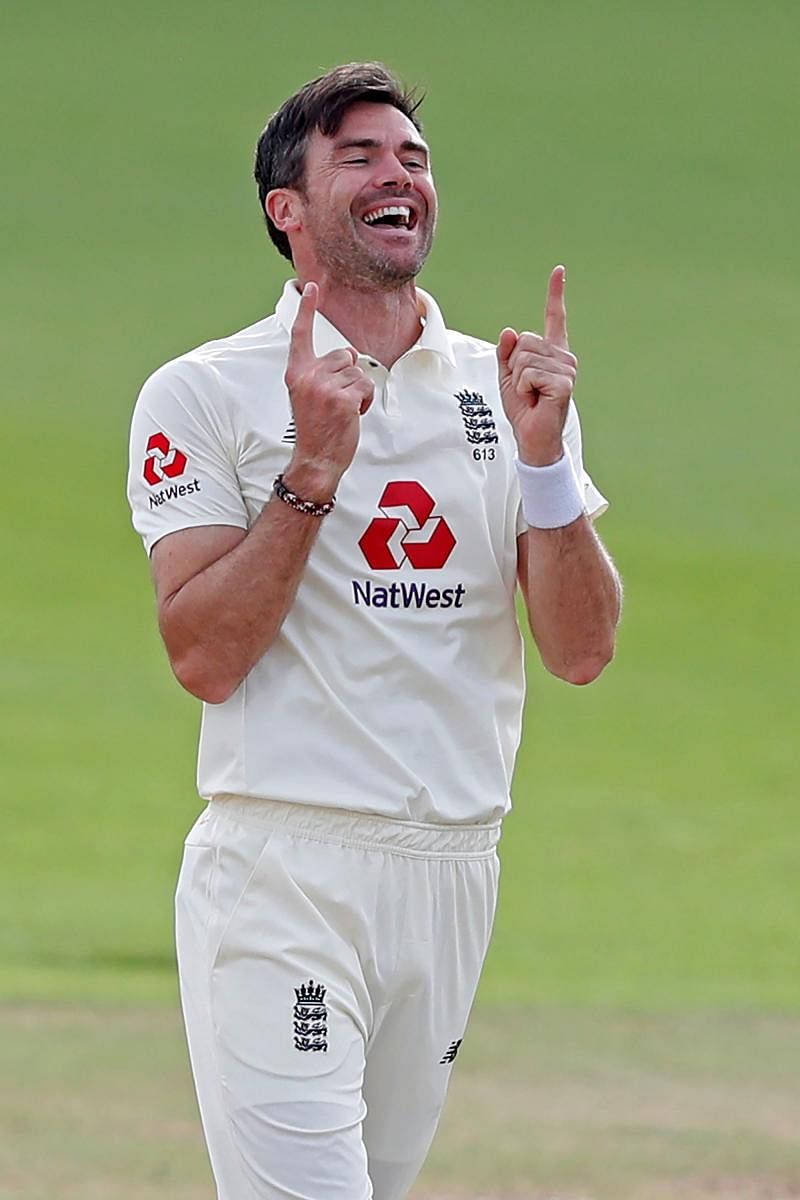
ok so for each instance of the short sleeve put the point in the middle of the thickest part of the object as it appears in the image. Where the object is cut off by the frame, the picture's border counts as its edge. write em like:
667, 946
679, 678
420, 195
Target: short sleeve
595, 501
182, 466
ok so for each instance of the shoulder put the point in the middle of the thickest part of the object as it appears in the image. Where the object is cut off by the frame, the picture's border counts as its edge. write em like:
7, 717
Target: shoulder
221, 355
222, 367
465, 347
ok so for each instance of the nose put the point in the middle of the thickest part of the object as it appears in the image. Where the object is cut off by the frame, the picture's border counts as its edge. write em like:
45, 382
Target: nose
392, 173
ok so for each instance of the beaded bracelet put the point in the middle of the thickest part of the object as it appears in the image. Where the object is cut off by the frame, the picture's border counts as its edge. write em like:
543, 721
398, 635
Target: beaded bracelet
309, 507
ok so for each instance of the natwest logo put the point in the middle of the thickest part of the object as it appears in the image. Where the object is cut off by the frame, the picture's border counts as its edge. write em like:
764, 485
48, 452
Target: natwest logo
407, 530
163, 461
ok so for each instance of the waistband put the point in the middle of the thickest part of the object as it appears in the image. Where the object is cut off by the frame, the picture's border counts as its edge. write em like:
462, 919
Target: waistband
364, 830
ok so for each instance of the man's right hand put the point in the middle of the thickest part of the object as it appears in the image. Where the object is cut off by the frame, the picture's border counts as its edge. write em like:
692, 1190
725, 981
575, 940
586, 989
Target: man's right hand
223, 592
329, 395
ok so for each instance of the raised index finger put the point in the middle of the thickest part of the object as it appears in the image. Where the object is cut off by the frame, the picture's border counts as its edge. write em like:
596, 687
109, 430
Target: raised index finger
301, 344
555, 312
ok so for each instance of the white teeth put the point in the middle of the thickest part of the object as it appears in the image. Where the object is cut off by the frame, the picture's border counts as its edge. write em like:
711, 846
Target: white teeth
389, 210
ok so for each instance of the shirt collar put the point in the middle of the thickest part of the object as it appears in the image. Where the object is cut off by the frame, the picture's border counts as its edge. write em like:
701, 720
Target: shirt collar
434, 334
327, 337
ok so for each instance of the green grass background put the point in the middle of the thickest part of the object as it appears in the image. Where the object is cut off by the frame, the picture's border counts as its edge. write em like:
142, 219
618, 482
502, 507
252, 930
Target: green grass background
652, 858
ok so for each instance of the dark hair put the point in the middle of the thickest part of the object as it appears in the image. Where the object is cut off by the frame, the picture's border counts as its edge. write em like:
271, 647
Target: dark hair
320, 104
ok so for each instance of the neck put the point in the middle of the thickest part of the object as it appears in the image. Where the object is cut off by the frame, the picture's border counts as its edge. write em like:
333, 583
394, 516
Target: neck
381, 324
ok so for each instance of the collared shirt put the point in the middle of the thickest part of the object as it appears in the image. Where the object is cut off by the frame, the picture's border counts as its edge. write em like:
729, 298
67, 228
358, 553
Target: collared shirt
395, 684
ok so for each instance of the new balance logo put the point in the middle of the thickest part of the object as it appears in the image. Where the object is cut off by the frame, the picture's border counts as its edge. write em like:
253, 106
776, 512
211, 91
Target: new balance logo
451, 1052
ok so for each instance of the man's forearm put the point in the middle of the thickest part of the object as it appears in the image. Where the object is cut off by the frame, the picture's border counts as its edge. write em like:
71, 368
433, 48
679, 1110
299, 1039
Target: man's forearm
573, 596
221, 621
223, 598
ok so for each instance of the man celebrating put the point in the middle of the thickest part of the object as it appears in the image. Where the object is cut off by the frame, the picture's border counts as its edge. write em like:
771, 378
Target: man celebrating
338, 503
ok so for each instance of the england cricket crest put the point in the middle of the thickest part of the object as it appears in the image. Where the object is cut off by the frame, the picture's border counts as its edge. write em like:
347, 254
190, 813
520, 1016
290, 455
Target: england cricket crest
477, 416
310, 1017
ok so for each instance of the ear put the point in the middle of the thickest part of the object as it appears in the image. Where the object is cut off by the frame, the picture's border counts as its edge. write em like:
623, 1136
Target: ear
284, 207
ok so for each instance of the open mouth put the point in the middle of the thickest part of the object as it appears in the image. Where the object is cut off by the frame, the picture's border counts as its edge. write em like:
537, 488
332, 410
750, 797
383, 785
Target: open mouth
392, 216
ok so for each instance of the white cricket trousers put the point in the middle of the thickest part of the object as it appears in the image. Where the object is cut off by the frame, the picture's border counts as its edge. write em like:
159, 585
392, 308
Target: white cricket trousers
328, 962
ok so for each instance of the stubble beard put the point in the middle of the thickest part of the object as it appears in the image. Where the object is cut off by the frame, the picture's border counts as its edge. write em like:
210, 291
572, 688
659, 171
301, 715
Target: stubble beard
357, 266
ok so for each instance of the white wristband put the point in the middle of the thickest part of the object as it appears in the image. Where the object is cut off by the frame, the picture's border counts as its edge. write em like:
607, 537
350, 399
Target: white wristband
551, 496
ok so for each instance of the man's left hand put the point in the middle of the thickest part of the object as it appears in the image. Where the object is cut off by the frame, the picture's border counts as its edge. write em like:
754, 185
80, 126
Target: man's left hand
537, 375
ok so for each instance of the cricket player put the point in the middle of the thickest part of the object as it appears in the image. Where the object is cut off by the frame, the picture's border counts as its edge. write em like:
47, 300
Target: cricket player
339, 503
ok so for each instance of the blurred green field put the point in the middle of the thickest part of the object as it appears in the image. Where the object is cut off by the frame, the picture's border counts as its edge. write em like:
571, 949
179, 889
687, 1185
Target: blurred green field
652, 859
653, 854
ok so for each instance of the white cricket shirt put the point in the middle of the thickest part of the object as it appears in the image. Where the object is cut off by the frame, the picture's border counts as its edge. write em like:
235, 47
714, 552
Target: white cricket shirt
395, 685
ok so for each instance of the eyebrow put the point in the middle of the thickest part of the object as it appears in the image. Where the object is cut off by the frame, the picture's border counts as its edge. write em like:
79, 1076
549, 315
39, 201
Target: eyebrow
374, 144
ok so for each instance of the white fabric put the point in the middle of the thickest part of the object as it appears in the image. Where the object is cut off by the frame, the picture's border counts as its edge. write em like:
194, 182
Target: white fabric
551, 495
391, 688
392, 921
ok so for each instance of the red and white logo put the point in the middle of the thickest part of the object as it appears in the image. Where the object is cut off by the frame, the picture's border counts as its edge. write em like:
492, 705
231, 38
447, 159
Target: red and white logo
407, 530
163, 461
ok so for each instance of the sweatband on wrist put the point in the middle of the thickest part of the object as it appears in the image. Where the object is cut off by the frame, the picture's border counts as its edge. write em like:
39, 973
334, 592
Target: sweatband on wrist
551, 495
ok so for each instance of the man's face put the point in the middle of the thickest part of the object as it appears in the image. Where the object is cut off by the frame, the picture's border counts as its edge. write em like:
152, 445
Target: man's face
369, 204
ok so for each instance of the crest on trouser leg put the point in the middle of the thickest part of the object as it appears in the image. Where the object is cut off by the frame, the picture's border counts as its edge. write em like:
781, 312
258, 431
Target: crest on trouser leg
310, 1017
